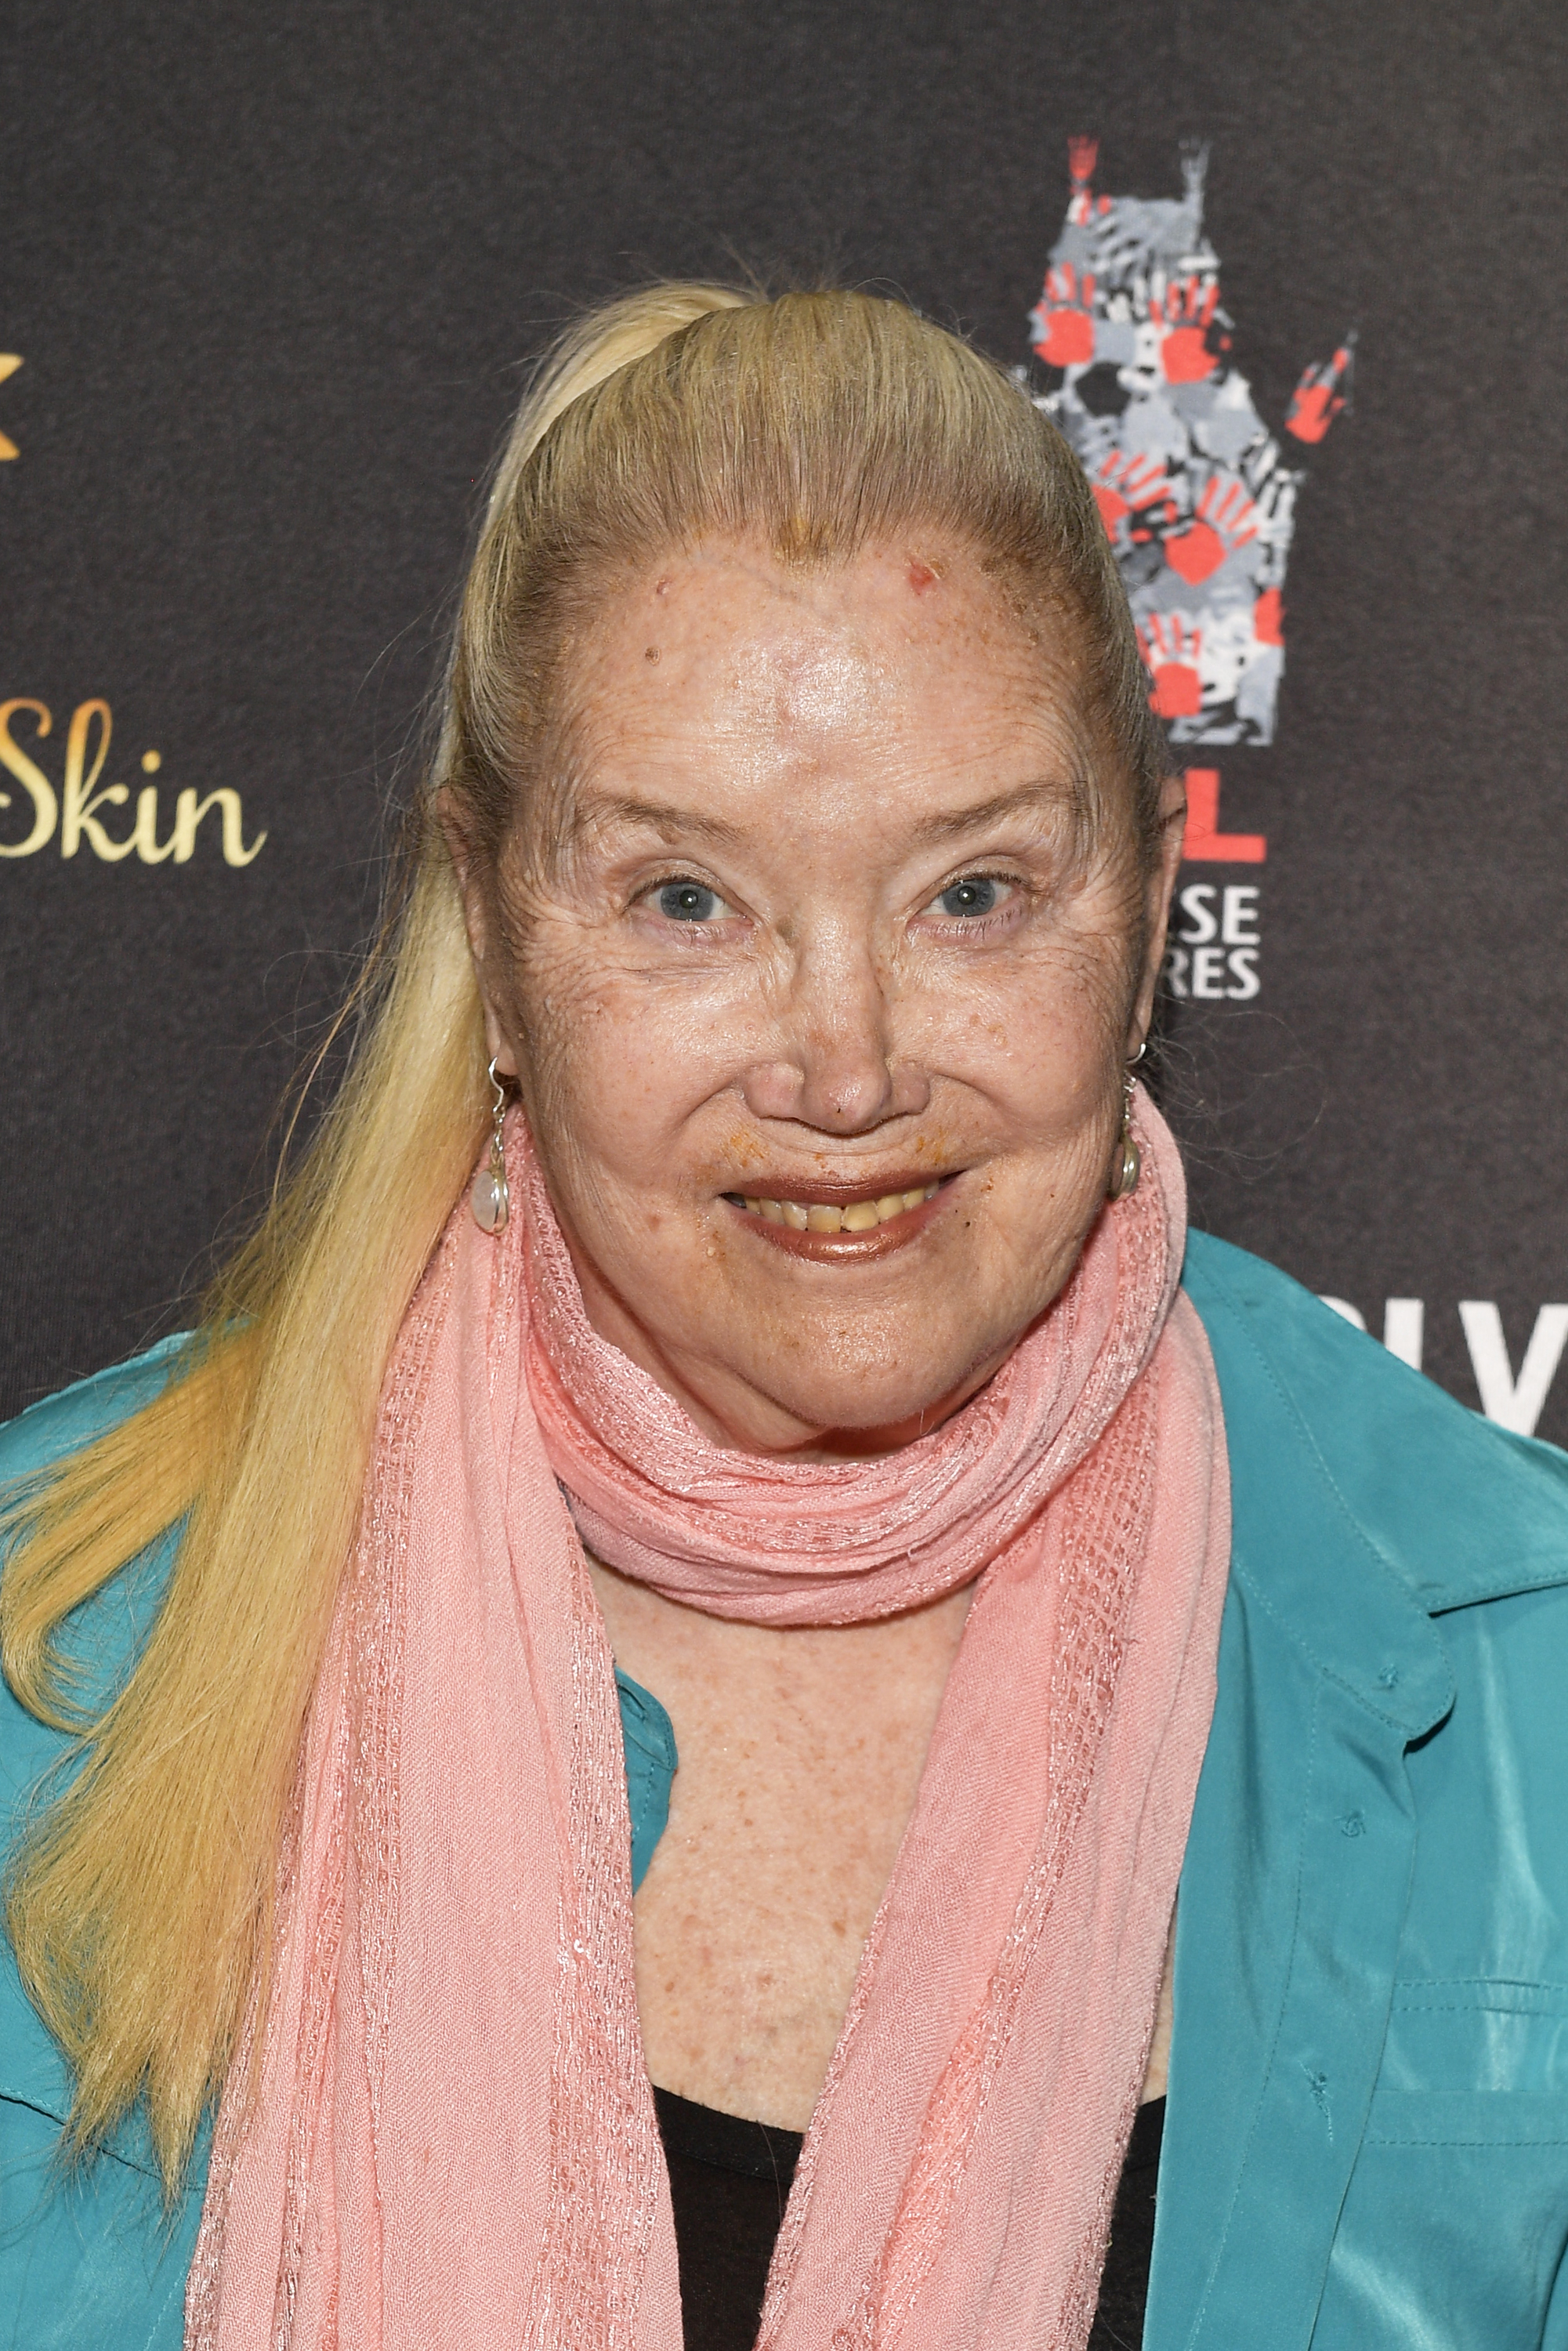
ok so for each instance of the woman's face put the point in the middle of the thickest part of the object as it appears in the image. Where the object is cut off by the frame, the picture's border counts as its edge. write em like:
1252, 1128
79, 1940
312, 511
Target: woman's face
817, 999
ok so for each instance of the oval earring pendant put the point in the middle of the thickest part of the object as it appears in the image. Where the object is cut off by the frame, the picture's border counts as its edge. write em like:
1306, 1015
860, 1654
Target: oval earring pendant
490, 1199
1125, 1168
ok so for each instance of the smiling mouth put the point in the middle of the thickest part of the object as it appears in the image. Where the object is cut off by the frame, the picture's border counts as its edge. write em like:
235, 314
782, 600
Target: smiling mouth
855, 1223
828, 1216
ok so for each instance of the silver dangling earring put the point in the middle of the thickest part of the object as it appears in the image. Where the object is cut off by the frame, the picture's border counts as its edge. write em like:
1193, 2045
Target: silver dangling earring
490, 1199
1127, 1165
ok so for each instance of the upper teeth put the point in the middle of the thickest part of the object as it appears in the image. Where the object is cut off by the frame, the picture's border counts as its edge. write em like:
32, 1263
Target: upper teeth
816, 1217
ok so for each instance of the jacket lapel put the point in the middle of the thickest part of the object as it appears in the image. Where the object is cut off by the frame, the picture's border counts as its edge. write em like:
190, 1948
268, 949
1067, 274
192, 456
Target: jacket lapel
1298, 1868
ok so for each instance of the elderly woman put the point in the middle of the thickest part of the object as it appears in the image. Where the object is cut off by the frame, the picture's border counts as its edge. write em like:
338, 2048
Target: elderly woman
634, 1711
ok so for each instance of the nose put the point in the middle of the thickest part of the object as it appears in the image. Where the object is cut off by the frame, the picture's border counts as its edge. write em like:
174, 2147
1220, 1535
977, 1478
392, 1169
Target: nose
838, 1068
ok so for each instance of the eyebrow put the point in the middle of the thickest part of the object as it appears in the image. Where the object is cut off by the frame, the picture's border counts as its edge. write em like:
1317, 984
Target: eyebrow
951, 824
662, 816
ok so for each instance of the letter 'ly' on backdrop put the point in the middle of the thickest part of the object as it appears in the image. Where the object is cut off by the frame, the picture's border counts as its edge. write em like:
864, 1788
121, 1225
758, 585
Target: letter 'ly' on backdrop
1289, 278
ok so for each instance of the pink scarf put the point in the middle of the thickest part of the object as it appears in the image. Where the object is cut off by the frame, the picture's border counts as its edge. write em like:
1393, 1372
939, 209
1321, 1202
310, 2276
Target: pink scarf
452, 2141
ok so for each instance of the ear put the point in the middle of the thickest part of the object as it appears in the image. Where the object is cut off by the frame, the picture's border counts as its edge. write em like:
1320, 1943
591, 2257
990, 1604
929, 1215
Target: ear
1160, 889
478, 920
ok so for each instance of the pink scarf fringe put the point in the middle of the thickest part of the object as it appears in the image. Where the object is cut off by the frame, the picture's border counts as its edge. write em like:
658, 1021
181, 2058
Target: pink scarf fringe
452, 2140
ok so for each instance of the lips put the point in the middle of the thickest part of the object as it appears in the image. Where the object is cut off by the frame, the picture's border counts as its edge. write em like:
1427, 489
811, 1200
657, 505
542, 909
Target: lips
835, 1220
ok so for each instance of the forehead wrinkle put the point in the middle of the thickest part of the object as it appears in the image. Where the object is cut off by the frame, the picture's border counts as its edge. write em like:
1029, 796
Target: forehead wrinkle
586, 803
1060, 793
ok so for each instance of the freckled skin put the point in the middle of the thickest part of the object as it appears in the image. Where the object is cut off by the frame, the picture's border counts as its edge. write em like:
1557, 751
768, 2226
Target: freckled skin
798, 738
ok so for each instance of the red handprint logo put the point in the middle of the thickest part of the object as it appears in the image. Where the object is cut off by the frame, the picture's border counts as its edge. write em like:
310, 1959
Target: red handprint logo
1182, 316
1063, 322
1128, 484
1170, 646
1226, 519
1321, 394
1195, 489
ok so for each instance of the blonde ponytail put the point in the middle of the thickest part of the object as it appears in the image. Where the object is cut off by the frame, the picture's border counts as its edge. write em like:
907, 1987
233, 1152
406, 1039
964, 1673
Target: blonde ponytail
140, 1907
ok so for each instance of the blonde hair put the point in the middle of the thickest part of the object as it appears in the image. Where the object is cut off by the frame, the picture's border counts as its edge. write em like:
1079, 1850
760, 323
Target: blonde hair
140, 1906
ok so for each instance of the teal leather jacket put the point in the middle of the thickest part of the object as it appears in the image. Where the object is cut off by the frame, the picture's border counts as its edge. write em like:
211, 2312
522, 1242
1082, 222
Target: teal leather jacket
1366, 2140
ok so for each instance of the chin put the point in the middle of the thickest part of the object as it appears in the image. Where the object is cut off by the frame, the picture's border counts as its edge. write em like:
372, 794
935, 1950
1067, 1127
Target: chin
872, 1414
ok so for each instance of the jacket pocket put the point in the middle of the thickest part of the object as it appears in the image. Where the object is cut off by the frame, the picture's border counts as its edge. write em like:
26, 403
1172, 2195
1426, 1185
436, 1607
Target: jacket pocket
1486, 2035
1454, 2225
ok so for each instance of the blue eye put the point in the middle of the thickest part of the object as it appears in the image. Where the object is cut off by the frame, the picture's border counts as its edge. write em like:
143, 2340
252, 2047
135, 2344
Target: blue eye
688, 902
976, 895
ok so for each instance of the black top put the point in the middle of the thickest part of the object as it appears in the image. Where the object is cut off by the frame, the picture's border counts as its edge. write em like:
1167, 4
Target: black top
1124, 2279
729, 2181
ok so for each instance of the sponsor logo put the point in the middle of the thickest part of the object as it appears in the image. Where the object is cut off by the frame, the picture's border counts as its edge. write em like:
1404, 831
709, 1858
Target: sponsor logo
1195, 496
1134, 360
70, 816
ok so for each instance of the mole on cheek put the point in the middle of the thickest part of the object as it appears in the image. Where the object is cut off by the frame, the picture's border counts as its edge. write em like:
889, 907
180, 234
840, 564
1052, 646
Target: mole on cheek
652, 655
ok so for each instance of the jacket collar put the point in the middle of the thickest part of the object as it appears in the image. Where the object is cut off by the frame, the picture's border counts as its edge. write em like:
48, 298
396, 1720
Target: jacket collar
1365, 1499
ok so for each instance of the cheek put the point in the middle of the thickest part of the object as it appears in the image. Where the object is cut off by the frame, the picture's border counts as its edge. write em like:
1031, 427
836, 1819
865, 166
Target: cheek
617, 1067
1038, 1042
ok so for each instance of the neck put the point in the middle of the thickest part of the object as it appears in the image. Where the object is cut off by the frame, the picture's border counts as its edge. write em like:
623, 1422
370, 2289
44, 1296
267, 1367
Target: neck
741, 1418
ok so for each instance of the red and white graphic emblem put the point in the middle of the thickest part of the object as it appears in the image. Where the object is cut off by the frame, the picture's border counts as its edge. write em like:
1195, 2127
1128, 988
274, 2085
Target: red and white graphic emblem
1199, 505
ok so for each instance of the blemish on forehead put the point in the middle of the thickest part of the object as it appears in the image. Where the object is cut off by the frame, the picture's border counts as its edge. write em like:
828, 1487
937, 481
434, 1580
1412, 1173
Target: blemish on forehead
921, 575
662, 587
652, 655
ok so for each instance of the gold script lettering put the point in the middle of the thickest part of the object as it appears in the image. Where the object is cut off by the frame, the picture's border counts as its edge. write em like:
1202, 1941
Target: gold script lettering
188, 814
32, 778
144, 839
79, 816
75, 810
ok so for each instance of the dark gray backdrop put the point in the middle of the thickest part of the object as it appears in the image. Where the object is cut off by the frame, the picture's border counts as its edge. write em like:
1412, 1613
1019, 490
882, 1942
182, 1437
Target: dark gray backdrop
270, 273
